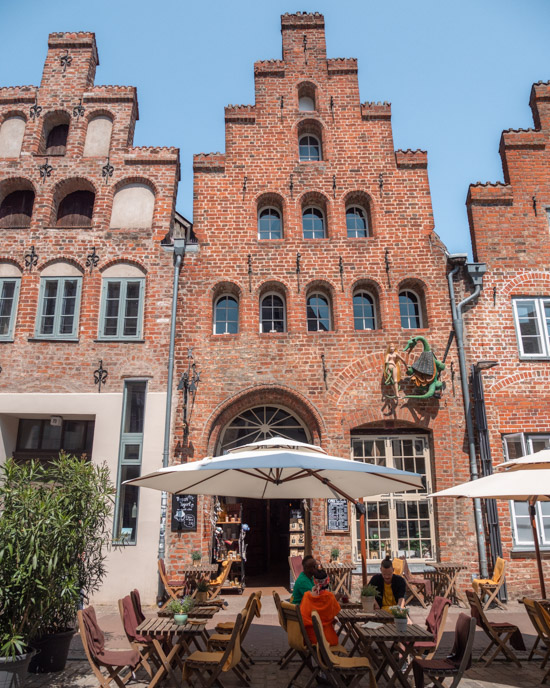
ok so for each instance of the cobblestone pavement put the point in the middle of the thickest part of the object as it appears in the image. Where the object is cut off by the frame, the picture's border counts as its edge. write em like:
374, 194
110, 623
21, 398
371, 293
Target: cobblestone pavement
266, 642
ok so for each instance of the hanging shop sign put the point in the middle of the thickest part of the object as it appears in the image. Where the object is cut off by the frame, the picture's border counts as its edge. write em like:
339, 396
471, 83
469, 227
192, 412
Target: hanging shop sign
337, 516
184, 513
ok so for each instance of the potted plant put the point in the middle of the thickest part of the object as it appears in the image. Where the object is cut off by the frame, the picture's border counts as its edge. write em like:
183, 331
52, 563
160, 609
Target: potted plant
334, 554
368, 595
203, 586
196, 557
180, 609
54, 527
400, 615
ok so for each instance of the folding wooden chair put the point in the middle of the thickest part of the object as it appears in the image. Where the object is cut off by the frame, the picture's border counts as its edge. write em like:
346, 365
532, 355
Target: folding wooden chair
539, 626
114, 661
417, 588
291, 652
136, 601
342, 672
491, 586
207, 666
295, 564
297, 641
174, 588
499, 634
217, 583
140, 643
435, 623
227, 626
544, 620
437, 670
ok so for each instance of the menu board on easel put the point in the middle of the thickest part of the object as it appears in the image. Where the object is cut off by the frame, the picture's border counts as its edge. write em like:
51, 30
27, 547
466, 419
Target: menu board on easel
337, 516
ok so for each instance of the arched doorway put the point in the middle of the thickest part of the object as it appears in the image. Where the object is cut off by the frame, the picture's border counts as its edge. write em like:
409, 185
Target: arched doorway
274, 532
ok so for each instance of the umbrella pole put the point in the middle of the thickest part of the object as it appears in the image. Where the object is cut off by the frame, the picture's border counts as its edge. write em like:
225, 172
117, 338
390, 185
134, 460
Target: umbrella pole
363, 544
532, 516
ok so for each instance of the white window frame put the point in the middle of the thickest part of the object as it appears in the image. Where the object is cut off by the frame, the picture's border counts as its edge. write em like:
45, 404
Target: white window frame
526, 441
310, 159
280, 296
542, 330
393, 499
214, 321
351, 206
323, 217
359, 292
420, 314
329, 304
263, 209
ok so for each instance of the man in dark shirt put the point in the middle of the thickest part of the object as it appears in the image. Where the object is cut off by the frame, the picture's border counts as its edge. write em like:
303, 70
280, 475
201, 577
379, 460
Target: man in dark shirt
304, 582
391, 587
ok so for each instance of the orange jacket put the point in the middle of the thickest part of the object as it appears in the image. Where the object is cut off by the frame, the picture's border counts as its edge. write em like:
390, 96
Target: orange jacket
327, 606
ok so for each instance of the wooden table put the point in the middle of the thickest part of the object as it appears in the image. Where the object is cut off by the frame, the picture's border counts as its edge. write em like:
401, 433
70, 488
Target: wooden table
444, 581
170, 642
192, 574
350, 617
395, 648
340, 575
198, 612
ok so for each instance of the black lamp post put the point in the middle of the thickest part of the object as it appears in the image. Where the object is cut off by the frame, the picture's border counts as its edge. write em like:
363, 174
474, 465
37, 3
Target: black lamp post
188, 383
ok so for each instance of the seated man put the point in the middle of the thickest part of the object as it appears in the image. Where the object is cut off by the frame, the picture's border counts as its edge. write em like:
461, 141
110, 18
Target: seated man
304, 582
323, 601
391, 588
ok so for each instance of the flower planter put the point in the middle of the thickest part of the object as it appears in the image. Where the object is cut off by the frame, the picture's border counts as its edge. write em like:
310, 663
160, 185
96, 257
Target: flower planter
400, 624
368, 603
52, 652
13, 672
180, 619
201, 596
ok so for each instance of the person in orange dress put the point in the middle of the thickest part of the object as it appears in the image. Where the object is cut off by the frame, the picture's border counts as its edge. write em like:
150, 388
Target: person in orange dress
323, 601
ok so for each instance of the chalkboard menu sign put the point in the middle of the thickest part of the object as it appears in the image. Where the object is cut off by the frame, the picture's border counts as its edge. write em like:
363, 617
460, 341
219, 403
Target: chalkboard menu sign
337, 516
184, 513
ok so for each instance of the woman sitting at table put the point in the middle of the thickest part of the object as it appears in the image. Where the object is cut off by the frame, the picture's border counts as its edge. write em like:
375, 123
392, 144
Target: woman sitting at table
323, 601
391, 587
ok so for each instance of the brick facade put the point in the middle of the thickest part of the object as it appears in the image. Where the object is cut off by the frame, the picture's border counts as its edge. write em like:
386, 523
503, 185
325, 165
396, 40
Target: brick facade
509, 226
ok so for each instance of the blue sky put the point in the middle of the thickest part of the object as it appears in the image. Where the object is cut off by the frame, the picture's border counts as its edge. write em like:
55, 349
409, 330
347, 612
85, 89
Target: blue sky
456, 73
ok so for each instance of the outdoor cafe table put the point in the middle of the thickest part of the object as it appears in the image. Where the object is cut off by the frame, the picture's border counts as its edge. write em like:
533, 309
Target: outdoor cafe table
170, 642
192, 574
340, 576
349, 617
444, 581
395, 648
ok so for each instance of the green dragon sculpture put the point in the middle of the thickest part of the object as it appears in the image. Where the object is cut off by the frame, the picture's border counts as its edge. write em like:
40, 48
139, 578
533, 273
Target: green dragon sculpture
425, 371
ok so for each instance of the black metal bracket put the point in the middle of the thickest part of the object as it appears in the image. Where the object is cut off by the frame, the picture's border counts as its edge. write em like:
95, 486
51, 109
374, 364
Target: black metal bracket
453, 378
107, 171
325, 372
100, 376
388, 265
535, 204
494, 296
305, 47
249, 260
92, 259
298, 269
65, 60
31, 259
36, 109
189, 381
291, 184
78, 110
332, 107
245, 180
334, 186
381, 183
45, 170
341, 268
282, 100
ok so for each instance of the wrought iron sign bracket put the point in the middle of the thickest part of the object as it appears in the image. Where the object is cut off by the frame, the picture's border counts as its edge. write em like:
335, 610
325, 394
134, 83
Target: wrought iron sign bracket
100, 376
31, 259
92, 259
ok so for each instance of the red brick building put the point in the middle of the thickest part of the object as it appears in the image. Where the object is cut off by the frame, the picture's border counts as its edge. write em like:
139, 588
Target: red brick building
509, 226
316, 251
85, 285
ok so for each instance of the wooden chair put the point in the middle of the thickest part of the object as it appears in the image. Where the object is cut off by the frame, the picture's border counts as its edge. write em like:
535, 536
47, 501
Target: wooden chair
297, 640
435, 623
295, 564
227, 626
499, 634
342, 672
291, 652
208, 666
140, 643
174, 588
114, 661
544, 620
437, 670
491, 586
216, 584
136, 601
417, 588
218, 641
539, 626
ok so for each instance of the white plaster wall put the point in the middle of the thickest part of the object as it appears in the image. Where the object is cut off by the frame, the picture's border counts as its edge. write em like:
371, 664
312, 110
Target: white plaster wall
11, 137
133, 206
98, 137
133, 566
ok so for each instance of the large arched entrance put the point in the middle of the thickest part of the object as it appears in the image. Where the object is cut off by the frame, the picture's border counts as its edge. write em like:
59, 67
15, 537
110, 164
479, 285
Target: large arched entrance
278, 527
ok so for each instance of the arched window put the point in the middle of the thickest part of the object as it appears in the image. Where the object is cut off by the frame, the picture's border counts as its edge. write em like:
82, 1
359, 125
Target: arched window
11, 136
364, 313
269, 224
357, 222
226, 315
76, 209
318, 313
313, 223
410, 310
306, 97
309, 147
272, 314
56, 140
16, 209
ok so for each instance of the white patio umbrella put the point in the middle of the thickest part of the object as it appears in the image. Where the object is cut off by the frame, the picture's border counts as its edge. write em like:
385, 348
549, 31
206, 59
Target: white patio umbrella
279, 468
518, 484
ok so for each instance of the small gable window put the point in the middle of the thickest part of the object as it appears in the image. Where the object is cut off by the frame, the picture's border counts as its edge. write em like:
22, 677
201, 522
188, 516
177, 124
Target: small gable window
356, 222
309, 148
410, 310
272, 314
226, 315
318, 313
313, 223
56, 141
364, 313
76, 209
269, 224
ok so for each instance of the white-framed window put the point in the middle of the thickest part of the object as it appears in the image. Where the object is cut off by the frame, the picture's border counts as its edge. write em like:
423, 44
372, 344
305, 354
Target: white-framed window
532, 320
396, 524
313, 223
269, 224
357, 223
121, 314
364, 311
58, 307
272, 313
9, 295
309, 148
515, 446
410, 310
226, 315
318, 313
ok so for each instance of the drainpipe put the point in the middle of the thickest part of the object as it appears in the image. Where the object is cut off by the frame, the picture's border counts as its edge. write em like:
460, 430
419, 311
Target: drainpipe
475, 272
179, 252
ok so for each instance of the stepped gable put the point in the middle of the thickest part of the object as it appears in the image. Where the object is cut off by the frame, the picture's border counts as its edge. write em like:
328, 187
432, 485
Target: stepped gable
411, 159
240, 113
372, 111
489, 193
